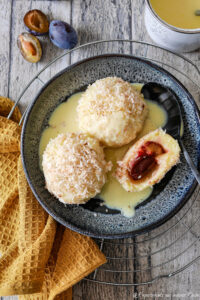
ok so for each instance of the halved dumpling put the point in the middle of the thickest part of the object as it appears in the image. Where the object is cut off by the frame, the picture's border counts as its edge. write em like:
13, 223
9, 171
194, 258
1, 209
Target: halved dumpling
147, 161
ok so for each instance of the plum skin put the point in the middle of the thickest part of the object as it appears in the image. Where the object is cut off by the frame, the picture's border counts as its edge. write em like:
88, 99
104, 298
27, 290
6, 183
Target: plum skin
62, 34
35, 32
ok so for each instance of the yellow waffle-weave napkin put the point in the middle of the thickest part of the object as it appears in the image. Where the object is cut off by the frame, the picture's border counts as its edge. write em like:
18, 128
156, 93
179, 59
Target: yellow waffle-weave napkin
40, 259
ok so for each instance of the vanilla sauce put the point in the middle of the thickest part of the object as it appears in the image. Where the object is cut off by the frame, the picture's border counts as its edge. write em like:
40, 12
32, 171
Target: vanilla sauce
178, 13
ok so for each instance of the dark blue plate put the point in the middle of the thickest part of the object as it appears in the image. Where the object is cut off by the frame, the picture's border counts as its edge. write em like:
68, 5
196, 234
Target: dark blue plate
168, 197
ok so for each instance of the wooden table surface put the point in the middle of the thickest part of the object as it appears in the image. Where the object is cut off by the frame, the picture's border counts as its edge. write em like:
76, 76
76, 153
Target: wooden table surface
95, 20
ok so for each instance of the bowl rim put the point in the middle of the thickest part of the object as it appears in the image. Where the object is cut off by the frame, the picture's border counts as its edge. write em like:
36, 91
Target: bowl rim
174, 28
73, 227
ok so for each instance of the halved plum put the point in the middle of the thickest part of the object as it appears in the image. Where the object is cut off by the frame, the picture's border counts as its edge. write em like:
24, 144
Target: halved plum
36, 22
30, 47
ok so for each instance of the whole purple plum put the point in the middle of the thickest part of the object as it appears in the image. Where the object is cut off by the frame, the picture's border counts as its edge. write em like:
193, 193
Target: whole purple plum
62, 34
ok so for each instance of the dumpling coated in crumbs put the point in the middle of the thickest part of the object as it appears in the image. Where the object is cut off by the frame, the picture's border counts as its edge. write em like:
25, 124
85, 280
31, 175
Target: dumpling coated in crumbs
112, 110
74, 167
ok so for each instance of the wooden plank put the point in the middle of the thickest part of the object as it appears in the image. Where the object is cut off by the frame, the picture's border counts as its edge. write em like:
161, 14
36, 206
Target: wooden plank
9, 298
98, 20
187, 281
21, 71
5, 54
5, 51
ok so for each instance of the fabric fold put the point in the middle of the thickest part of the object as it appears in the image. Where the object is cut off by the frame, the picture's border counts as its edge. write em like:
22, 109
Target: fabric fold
39, 259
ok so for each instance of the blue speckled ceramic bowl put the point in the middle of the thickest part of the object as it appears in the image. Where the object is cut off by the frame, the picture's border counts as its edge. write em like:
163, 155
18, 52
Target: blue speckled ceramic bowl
156, 210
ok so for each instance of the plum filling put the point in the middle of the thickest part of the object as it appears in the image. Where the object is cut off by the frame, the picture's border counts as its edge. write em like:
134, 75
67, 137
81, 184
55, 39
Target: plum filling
153, 148
29, 47
145, 161
142, 166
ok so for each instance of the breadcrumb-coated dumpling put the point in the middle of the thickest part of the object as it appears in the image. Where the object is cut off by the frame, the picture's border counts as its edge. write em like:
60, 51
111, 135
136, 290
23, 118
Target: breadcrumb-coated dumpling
112, 110
147, 161
74, 167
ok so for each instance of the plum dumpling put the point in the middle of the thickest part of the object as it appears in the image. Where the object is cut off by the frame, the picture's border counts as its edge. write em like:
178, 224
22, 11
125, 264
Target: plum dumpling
147, 161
